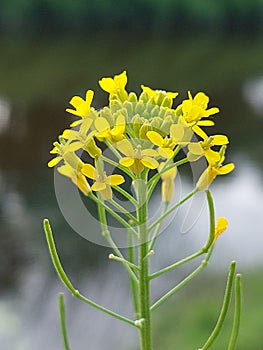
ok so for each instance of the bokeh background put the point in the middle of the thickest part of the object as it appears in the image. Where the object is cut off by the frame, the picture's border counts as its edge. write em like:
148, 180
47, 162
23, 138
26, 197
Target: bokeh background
52, 50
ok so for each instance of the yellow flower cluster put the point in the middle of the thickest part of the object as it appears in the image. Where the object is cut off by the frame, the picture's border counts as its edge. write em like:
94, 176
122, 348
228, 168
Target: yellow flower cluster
143, 133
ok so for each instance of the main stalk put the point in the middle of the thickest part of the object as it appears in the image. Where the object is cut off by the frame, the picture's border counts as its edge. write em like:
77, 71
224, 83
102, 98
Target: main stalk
144, 281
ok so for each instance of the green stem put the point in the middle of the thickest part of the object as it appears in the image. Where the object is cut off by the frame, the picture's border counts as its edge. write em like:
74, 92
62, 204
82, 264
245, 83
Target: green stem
65, 280
168, 212
133, 284
176, 264
101, 203
203, 250
144, 282
126, 195
157, 229
237, 315
212, 219
182, 283
224, 308
123, 211
107, 235
62, 315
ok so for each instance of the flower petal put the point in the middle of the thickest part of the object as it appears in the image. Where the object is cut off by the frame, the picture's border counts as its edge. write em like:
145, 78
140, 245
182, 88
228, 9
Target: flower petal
126, 161
98, 186
177, 132
101, 124
225, 169
53, 162
220, 140
205, 123
165, 152
125, 147
108, 85
149, 152
76, 101
155, 138
115, 179
212, 156
88, 170
195, 148
150, 163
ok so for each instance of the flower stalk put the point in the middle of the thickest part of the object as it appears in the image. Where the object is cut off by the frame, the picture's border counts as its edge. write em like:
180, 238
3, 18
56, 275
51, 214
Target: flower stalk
144, 137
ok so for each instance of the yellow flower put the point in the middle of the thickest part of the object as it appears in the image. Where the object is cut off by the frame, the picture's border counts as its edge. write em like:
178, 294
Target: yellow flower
65, 151
136, 158
167, 183
106, 131
77, 178
82, 107
221, 226
115, 86
102, 182
195, 109
203, 148
165, 144
213, 170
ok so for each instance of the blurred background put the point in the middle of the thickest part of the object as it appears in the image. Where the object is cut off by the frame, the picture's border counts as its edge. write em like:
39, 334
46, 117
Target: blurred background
52, 50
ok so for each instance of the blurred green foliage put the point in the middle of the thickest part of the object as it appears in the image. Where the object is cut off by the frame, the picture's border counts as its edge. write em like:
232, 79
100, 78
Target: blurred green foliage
70, 15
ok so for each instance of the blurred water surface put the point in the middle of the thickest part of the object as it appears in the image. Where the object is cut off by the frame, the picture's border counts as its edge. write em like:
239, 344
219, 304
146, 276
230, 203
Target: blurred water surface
38, 77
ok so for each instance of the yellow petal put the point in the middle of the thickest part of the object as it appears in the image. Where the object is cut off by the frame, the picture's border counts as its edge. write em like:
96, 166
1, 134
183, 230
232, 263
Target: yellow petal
220, 140
89, 96
198, 131
118, 130
82, 184
149, 152
66, 170
212, 156
121, 80
221, 226
108, 85
201, 99
72, 147
186, 106
193, 157
76, 101
177, 132
225, 169
150, 163
169, 174
211, 111
53, 162
127, 162
101, 124
86, 124
155, 138
72, 111
106, 193
98, 186
115, 179
165, 152
195, 148
125, 147
206, 123
76, 123
88, 170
